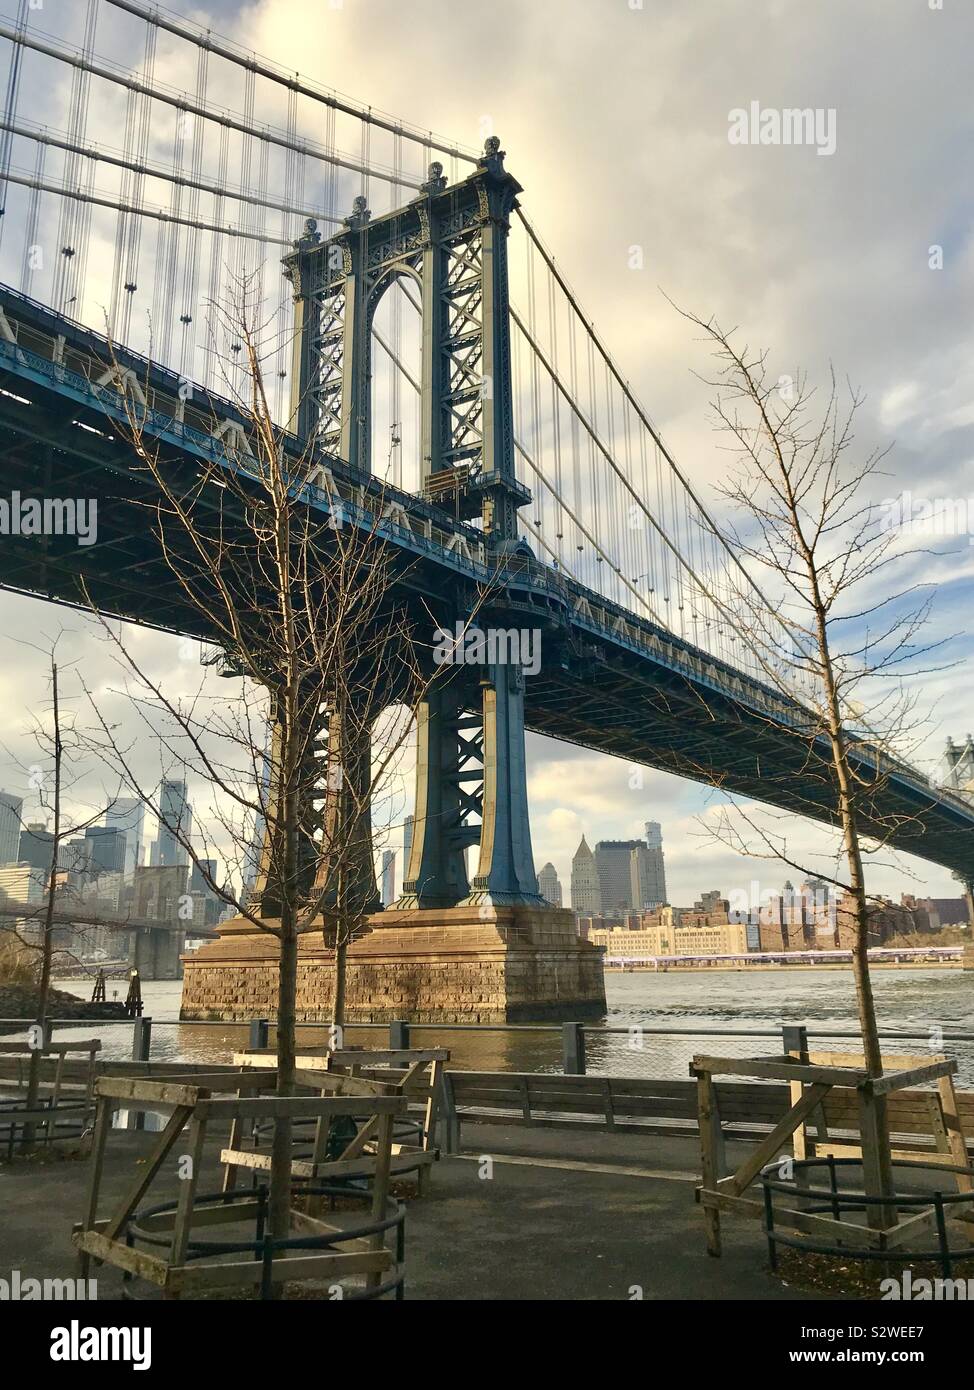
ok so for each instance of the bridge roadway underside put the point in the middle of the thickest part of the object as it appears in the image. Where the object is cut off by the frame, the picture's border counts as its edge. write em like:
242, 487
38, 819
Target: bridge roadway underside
592, 690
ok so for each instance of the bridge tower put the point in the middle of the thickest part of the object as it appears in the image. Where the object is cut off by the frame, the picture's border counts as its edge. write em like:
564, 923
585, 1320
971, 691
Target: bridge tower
449, 246
488, 949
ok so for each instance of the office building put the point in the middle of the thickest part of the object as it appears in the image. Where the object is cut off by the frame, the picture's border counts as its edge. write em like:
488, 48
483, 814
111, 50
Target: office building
105, 846
648, 875
613, 862
128, 815
10, 827
549, 886
175, 821
388, 877
586, 891
36, 846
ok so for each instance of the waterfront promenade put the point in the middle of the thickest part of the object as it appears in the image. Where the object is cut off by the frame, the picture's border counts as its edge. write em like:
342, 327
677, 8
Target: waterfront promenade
563, 1217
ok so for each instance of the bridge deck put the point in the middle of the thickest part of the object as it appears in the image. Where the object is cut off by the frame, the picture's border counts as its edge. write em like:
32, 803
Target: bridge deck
609, 680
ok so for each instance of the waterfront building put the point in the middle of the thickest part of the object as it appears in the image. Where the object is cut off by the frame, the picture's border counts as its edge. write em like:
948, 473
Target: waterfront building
934, 914
711, 939
586, 890
10, 827
549, 886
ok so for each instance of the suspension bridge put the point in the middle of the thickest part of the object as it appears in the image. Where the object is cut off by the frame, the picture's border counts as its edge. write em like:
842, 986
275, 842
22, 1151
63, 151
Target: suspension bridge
425, 351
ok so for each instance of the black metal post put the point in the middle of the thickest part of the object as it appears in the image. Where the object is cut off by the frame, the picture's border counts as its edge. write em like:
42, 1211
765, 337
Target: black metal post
399, 1035
794, 1038
141, 1045
945, 1261
573, 1049
769, 1226
260, 1029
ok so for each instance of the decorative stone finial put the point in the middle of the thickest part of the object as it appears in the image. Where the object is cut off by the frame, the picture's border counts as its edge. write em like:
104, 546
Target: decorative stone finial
493, 155
310, 232
435, 182
360, 212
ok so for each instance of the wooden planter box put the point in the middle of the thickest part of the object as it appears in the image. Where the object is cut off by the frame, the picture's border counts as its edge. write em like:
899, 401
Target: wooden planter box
416, 1074
192, 1108
811, 1077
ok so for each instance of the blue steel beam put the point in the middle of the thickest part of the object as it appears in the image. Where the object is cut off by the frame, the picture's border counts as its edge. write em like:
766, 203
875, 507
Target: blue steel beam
610, 681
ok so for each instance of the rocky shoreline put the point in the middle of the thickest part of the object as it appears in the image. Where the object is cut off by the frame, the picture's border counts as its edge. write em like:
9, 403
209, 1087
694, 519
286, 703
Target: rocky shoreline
20, 1001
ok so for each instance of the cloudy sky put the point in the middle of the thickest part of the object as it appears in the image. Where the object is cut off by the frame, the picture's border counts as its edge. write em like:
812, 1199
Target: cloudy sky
615, 118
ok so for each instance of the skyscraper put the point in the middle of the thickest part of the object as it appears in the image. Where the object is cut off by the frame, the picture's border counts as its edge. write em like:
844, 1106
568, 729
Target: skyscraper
106, 849
586, 893
407, 843
613, 861
36, 846
176, 815
10, 809
128, 815
388, 877
549, 886
648, 873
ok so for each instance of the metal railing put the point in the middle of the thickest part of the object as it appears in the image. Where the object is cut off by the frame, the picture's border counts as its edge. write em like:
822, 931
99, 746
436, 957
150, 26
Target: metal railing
562, 1047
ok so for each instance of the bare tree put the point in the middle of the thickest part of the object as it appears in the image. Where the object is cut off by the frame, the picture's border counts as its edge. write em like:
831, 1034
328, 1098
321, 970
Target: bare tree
58, 740
303, 605
829, 626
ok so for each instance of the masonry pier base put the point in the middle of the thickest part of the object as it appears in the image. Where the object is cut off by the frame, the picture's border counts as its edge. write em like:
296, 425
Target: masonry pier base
463, 964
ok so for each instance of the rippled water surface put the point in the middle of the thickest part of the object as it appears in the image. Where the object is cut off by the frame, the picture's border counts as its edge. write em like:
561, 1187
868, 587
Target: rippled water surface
915, 1001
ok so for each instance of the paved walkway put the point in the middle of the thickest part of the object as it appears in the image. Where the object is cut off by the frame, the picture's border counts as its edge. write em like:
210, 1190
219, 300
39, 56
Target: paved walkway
548, 1215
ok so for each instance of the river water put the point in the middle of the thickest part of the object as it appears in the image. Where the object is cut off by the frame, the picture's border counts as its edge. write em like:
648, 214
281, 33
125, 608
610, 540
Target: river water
684, 1004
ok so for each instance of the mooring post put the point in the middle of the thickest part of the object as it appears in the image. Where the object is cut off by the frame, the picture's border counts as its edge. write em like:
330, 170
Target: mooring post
573, 1049
141, 1043
399, 1035
260, 1030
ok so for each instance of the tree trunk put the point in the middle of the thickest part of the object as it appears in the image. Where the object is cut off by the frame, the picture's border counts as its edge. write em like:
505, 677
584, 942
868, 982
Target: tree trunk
341, 947
44, 987
338, 993
280, 1186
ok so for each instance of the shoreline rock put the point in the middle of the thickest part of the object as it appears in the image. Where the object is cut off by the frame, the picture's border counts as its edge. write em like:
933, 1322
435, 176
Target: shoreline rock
20, 1001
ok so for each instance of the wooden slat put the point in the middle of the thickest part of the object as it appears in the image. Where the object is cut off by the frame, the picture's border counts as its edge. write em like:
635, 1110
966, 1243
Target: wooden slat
777, 1069
309, 1107
161, 1092
150, 1168
196, 1278
117, 1253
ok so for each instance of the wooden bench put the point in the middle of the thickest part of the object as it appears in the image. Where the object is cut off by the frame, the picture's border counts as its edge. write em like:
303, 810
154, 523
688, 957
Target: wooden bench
627, 1105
